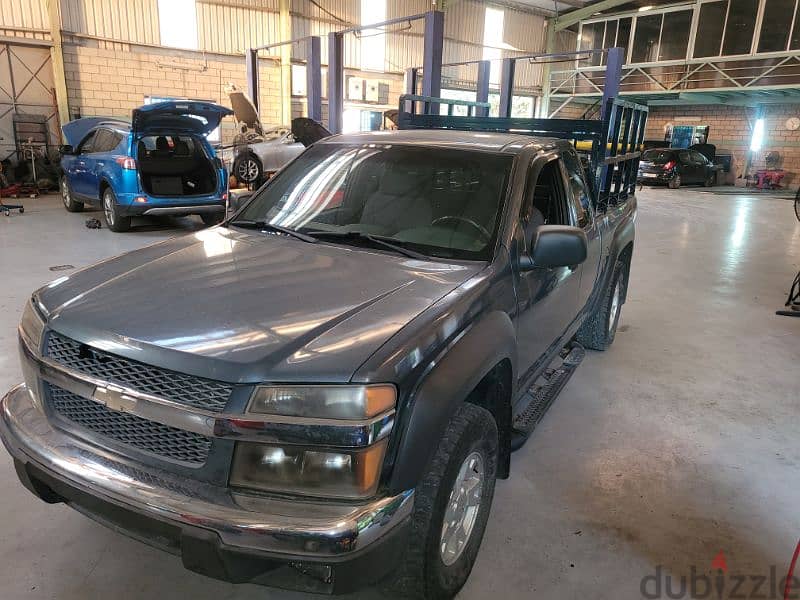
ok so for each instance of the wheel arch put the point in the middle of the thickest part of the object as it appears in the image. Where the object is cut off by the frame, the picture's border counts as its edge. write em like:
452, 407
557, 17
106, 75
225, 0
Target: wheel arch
478, 369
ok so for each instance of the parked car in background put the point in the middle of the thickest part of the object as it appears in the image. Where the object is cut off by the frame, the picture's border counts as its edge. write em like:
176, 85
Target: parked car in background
259, 152
158, 163
675, 167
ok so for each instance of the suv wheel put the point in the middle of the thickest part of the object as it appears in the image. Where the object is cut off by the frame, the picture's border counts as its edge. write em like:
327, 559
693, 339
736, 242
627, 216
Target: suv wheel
600, 328
709, 182
211, 219
675, 182
67, 197
114, 220
247, 169
451, 508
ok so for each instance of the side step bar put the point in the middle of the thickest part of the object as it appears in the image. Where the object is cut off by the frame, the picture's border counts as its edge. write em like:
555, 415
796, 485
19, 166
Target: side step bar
542, 394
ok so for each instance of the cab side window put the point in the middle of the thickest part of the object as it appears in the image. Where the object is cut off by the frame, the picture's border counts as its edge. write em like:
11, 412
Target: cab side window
579, 191
545, 199
87, 145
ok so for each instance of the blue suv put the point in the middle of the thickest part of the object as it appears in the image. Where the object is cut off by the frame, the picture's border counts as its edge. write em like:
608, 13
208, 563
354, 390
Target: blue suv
158, 163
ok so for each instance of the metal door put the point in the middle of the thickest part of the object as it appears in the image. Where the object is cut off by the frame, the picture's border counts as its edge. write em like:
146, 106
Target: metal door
26, 86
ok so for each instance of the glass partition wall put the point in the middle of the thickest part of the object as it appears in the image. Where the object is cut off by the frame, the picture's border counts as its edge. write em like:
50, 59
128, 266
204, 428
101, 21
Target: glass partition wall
729, 28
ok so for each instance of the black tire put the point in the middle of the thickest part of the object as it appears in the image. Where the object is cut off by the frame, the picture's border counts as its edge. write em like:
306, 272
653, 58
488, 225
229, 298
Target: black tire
247, 168
114, 220
67, 197
211, 219
709, 182
423, 572
675, 182
600, 328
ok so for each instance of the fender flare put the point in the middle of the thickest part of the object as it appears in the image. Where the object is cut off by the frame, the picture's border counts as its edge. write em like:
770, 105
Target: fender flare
452, 375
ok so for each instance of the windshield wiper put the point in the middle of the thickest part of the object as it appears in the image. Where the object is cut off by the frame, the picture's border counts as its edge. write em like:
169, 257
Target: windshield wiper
374, 240
277, 228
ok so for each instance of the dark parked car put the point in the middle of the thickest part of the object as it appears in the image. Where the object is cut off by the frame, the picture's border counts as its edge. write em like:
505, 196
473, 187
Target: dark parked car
675, 167
321, 392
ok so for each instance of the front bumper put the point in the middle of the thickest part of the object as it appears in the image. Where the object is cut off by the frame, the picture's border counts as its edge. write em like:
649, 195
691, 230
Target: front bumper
317, 546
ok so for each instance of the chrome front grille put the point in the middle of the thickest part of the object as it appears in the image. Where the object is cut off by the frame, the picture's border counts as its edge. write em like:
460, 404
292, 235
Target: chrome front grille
184, 389
155, 438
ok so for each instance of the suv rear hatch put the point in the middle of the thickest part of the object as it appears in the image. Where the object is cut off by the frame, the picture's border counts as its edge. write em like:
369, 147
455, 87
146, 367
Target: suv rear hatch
172, 158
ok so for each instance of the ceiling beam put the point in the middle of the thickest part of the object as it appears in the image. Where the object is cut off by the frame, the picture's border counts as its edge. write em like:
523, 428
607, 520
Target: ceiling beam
576, 16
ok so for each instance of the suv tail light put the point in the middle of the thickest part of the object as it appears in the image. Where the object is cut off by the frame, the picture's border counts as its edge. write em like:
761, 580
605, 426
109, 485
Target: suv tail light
669, 165
126, 162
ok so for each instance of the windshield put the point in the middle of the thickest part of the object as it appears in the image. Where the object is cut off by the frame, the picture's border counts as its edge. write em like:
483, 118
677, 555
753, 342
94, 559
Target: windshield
658, 157
439, 202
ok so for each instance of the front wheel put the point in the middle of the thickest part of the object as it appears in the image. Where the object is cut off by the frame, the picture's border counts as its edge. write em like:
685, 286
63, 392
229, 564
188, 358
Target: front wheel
675, 182
211, 219
709, 182
114, 220
68, 198
247, 169
600, 328
451, 508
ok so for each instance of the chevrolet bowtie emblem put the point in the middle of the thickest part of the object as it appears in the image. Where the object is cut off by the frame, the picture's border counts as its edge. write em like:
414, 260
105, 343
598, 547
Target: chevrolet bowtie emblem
114, 398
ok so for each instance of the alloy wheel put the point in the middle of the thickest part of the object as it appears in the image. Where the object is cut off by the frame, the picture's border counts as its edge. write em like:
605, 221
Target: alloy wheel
462, 510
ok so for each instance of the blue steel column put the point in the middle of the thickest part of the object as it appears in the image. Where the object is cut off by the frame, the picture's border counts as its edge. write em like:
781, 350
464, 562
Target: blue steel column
507, 86
314, 79
335, 81
251, 62
615, 57
432, 56
482, 92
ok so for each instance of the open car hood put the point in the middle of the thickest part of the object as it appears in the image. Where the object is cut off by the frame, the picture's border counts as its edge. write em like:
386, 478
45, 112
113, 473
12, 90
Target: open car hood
307, 131
243, 109
76, 130
179, 115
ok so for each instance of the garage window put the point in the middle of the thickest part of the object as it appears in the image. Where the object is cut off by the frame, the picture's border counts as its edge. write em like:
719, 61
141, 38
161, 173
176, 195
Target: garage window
645, 42
711, 23
739, 27
177, 23
774, 32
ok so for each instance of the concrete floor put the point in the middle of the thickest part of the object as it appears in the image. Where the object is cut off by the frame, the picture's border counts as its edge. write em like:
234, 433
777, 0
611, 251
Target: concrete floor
678, 443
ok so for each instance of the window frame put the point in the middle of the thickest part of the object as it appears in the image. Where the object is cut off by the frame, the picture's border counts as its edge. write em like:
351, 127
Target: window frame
536, 167
690, 51
588, 207
88, 138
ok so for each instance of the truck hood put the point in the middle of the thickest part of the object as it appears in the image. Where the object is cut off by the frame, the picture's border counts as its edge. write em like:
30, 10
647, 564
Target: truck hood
248, 307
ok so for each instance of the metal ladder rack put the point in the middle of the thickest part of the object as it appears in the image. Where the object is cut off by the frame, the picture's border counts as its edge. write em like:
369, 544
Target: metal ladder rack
613, 144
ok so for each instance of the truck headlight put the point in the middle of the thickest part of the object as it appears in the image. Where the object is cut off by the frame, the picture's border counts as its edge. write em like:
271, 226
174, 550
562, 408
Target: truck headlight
347, 402
312, 471
333, 472
32, 326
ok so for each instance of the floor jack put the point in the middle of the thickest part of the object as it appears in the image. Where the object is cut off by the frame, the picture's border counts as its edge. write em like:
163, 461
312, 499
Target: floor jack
543, 393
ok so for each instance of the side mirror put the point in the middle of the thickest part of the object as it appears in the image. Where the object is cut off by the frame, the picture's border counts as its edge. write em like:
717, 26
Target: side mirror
66, 149
556, 246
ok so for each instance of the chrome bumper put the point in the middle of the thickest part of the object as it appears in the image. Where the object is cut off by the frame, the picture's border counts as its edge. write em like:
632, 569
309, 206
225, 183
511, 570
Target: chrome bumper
275, 527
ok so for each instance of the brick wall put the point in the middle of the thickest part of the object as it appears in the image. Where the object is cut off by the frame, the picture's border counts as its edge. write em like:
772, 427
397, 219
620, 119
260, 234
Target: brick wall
111, 78
731, 131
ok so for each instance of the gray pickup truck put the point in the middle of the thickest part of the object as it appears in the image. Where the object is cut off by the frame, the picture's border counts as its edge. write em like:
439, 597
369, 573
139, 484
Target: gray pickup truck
321, 392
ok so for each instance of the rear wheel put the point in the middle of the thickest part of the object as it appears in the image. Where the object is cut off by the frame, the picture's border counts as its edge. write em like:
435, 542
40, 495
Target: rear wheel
451, 508
114, 220
247, 169
675, 182
709, 180
67, 198
600, 328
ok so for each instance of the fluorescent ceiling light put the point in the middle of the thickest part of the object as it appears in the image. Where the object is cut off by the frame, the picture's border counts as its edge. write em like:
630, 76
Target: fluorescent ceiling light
645, 8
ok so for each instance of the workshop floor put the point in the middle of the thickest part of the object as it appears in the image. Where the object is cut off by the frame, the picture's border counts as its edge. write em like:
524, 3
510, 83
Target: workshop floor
677, 444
